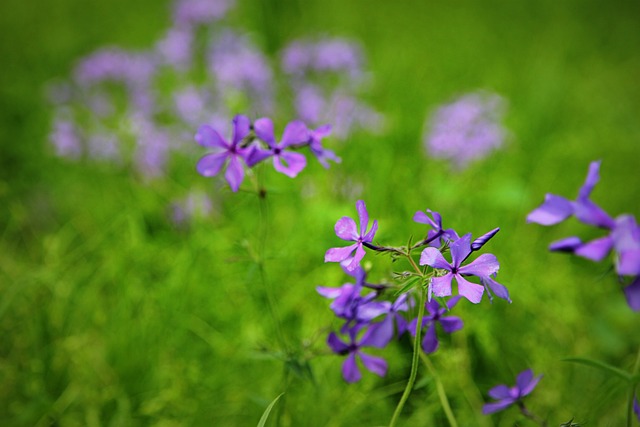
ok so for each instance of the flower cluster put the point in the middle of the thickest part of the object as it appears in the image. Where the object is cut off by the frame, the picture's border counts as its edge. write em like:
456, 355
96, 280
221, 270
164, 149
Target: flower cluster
372, 320
466, 129
251, 144
622, 238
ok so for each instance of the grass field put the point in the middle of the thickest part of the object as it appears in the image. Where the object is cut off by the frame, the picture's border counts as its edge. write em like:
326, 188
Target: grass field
110, 315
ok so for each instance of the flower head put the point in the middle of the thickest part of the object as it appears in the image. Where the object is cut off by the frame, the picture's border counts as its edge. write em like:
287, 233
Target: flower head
230, 153
284, 161
507, 396
436, 315
352, 348
437, 235
347, 229
485, 266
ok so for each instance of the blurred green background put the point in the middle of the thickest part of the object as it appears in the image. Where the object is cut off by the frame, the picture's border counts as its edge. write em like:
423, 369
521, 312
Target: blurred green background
110, 316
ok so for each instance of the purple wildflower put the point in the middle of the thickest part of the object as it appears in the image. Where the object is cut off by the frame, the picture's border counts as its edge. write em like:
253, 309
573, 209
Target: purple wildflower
467, 129
115, 64
175, 48
449, 324
384, 331
152, 149
437, 236
230, 153
507, 396
195, 12
286, 162
65, 139
346, 229
329, 55
352, 349
484, 267
482, 240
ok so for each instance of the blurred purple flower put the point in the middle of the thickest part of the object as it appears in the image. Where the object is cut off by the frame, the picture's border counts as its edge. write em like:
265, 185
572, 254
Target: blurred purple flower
195, 205
196, 12
436, 315
347, 229
466, 129
507, 396
437, 236
65, 139
229, 153
175, 48
352, 349
152, 151
315, 145
326, 55
284, 161
485, 266
133, 68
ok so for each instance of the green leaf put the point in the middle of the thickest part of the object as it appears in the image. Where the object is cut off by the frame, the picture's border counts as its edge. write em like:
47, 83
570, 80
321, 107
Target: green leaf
602, 366
265, 415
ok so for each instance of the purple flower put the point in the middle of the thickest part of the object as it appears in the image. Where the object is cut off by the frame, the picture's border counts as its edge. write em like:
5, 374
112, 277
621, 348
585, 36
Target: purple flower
437, 236
352, 349
230, 153
384, 330
152, 149
467, 129
286, 162
194, 12
65, 140
482, 240
450, 324
175, 48
346, 229
484, 267
315, 144
507, 396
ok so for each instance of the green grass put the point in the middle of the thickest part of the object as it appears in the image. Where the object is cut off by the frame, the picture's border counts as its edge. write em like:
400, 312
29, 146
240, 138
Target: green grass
110, 316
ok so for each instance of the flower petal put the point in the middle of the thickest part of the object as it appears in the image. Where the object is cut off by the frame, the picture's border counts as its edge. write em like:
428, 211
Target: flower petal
295, 133
256, 155
423, 218
209, 137
289, 163
500, 392
450, 324
357, 257
460, 249
441, 286
526, 383
350, 371
346, 229
555, 209
336, 344
483, 266
628, 263
379, 334
482, 240
363, 215
495, 287
264, 130
235, 173
241, 128
377, 365
569, 244
588, 212
330, 293
430, 341
596, 249
490, 408
632, 293
471, 291
593, 176
433, 258
210, 164
339, 254
371, 234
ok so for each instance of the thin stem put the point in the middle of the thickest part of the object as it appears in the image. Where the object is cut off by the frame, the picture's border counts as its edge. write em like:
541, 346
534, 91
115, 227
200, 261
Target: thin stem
414, 362
531, 415
441, 392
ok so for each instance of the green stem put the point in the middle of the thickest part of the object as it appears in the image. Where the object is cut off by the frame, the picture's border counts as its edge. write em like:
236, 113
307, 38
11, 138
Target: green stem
632, 392
414, 362
441, 392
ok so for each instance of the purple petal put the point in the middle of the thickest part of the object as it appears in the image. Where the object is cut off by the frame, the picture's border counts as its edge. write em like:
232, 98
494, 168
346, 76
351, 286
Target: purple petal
210, 164
371, 310
241, 128
471, 291
523, 380
460, 249
330, 293
322, 131
295, 133
555, 209
632, 293
593, 176
430, 341
500, 392
235, 173
209, 137
377, 365
628, 263
588, 212
453, 301
256, 155
441, 286
371, 234
379, 334
423, 218
292, 165
495, 287
264, 130
529, 386
570, 244
363, 215
595, 250
339, 254
626, 234
336, 344
346, 229
490, 408
450, 324
357, 257
401, 325
350, 370
433, 258
484, 266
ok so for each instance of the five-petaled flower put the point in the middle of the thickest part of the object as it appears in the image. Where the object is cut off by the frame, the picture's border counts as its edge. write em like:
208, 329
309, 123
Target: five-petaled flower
437, 235
231, 153
346, 229
450, 324
507, 396
485, 266
352, 349
286, 162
